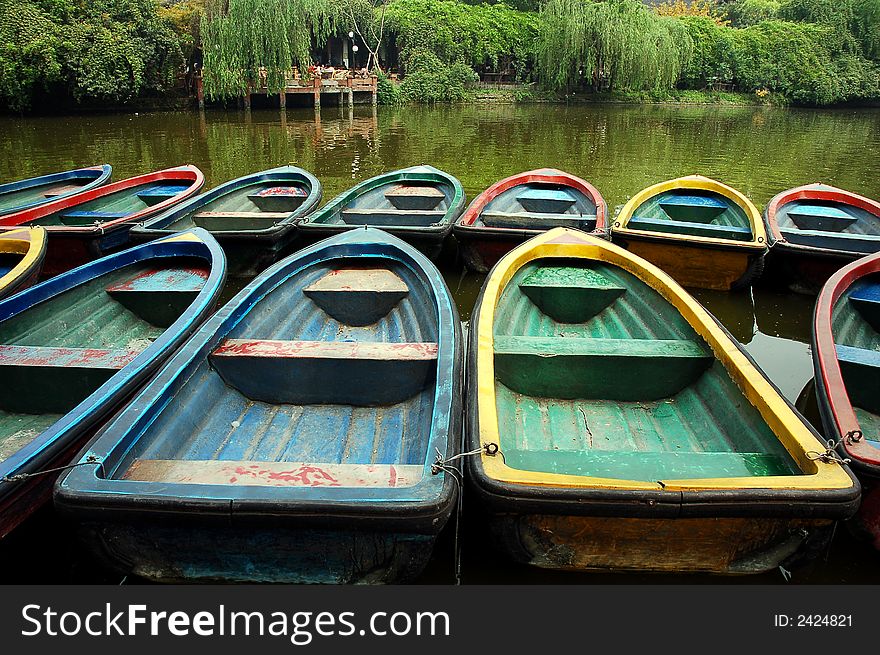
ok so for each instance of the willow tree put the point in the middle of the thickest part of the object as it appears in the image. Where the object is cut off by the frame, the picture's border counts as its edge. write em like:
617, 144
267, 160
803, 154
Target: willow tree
241, 38
616, 44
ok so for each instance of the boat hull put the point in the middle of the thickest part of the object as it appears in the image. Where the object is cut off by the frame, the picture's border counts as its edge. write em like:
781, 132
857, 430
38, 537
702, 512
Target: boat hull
38, 191
428, 242
30, 244
801, 270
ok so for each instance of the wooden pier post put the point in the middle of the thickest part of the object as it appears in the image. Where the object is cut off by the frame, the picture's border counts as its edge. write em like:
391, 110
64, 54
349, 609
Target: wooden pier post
200, 92
282, 99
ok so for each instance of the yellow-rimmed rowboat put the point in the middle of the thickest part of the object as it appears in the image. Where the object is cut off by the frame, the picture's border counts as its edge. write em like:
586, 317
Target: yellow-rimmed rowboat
632, 431
705, 234
22, 253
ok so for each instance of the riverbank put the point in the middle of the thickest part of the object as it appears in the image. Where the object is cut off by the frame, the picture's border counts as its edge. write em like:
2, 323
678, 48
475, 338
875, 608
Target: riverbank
528, 93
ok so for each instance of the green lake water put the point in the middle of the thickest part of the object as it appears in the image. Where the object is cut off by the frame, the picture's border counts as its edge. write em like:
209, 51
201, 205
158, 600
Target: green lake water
620, 149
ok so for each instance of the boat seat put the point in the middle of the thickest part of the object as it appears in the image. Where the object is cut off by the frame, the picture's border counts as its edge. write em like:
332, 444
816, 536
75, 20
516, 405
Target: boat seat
279, 198
650, 466
359, 373
538, 221
63, 190
230, 221
570, 294
856, 243
860, 368
47, 379
820, 217
546, 201
692, 208
82, 218
866, 299
610, 369
392, 218
273, 474
409, 197
159, 295
357, 296
732, 232
160, 193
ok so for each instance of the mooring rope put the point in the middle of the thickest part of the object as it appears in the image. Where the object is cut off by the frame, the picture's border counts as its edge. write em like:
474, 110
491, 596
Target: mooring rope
853, 436
830, 455
91, 459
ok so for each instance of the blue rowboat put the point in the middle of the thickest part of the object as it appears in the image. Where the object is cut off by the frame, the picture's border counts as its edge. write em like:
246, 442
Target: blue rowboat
37, 191
252, 217
293, 437
417, 204
75, 347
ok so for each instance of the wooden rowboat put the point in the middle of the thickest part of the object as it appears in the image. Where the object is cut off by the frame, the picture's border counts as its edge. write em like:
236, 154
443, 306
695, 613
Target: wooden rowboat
88, 225
522, 206
292, 438
705, 234
816, 229
252, 217
21, 258
417, 204
623, 428
846, 334
27, 194
74, 347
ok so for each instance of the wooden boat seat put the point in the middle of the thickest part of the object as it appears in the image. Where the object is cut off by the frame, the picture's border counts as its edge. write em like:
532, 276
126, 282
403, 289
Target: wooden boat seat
357, 296
821, 217
160, 193
546, 201
41, 379
692, 208
409, 197
538, 221
570, 294
392, 218
82, 218
611, 369
860, 368
356, 373
279, 198
858, 243
649, 466
866, 300
159, 295
230, 221
732, 232
62, 190
273, 474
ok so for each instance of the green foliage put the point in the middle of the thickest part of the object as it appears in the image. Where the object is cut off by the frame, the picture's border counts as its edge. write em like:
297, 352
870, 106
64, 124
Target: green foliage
743, 13
712, 59
185, 18
104, 50
615, 44
431, 80
479, 35
387, 92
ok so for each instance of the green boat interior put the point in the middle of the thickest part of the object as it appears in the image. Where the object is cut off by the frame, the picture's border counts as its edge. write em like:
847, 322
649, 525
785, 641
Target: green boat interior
540, 205
829, 224
598, 375
113, 206
413, 203
855, 323
692, 212
57, 353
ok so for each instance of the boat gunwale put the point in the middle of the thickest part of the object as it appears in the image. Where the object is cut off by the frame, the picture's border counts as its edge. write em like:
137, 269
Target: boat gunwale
150, 228
105, 171
422, 507
465, 225
88, 412
188, 172
421, 173
35, 244
815, 191
821, 482
758, 241
833, 396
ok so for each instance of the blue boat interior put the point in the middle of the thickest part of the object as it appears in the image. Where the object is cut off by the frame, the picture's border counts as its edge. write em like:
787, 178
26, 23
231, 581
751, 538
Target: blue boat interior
540, 206
56, 353
327, 379
692, 212
397, 202
32, 192
855, 323
829, 225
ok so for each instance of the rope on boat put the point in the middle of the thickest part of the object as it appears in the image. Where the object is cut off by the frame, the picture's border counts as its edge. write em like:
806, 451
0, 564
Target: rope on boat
853, 436
91, 459
441, 464
830, 455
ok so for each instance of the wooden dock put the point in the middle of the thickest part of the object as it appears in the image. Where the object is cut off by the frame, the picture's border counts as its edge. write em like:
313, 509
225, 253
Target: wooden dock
346, 91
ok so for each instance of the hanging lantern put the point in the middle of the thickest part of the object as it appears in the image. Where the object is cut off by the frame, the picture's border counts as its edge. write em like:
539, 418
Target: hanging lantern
354, 48
351, 35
